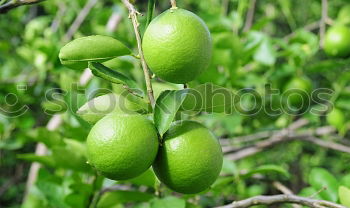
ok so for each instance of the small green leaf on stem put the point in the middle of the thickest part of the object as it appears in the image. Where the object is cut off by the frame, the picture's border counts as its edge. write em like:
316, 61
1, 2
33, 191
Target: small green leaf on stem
167, 105
150, 10
108, 74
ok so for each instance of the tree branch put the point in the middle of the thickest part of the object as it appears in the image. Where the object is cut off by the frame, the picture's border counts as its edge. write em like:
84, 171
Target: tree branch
323, 21
16, 3
286, 135
173, 4
133, 15
79, 19
250, 16
283, 198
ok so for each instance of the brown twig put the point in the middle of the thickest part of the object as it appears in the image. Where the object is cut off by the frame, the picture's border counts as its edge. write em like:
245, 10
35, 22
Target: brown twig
260, 146
79, 19
16, 3
234, 153
282, 198
250, 16
173, 4
323, 21
284, 190
62, 8
133, 15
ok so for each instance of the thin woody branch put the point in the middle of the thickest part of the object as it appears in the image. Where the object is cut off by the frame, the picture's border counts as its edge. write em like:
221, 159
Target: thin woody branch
16, 3
285, 135
133, 15
283, 198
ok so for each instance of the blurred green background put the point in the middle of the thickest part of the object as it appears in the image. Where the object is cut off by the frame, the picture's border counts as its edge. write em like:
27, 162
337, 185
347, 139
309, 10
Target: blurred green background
279, 45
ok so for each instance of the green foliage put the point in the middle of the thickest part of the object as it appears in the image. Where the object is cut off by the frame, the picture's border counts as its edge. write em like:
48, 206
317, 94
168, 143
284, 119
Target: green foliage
280, 46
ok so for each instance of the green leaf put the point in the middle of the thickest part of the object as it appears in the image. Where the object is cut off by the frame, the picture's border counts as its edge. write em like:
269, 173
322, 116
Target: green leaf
209, 98
43, 159
265, 53
147, 178
54, 193
167, 105
110, 199
345, 180
344, 196
108, 74
168, 202
267, 169
49, 138
71, 156
320, 178
77, 53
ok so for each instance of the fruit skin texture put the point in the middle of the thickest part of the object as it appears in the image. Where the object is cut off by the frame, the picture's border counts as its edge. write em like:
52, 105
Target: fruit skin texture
299, 89
122, 146
190, 159
336, 118
177, 46
337, 41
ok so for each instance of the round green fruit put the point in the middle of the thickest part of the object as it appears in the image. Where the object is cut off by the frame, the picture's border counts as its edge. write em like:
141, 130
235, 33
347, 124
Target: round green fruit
123, 146
337, 41
297, 92
177, 46
344, 15
336, 118
190, 159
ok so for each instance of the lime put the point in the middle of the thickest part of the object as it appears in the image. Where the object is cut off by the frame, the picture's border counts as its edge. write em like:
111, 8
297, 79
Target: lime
122, 146
190, 159
337, 42
297, 92
177, 46
336, 118
344, 15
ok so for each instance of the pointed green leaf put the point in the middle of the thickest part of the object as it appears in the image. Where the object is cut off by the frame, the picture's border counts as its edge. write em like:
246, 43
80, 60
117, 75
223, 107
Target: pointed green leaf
108, 74
168, 202
320, 178
344, 196
167, 105
43, 159
77, 53
110, 199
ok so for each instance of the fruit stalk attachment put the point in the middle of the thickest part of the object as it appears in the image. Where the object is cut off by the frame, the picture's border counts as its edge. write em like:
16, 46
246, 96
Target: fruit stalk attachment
133, 16
173, 4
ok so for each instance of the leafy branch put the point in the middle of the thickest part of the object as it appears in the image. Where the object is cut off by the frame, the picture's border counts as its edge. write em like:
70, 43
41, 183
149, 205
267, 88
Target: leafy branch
16, 3
282, 198
133, 15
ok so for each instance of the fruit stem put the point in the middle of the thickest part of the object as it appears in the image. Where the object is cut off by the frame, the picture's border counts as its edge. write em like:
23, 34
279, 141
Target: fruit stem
173, 4
133, 16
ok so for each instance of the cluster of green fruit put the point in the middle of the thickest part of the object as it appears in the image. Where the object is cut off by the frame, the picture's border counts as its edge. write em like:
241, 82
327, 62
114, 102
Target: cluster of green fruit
337, 41
188, 158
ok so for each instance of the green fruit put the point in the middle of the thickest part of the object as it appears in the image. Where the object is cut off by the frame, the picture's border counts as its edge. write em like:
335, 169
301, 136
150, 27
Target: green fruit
97, 48
190, 159
336, 118
97, 108
121, 147
337, 41
177, 46
344, 15
297, 92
